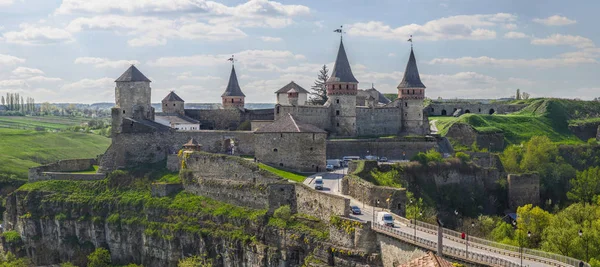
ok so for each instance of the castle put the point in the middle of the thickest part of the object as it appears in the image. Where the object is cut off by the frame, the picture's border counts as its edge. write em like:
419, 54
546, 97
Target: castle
292, 135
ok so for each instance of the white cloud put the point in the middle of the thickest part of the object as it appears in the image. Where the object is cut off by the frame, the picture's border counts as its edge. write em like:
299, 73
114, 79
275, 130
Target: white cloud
392, 55
591, 52
38, 35
270, 39
559, 39
10, 60
6, 2
555, 20
472, 27
515, 35
13, 83
510, 26
150, 31
510, 63
43, 79
104, 62
189, 76
26, 72
253, 60
102, 84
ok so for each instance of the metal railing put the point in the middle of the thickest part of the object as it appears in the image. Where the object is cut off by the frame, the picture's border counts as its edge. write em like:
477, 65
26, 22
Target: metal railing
446, 250
530, 254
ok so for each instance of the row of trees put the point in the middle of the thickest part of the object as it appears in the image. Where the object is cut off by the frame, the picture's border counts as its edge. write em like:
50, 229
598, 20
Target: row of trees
16, 102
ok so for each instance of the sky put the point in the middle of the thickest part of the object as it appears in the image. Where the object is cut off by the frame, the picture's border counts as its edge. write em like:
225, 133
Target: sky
73, 50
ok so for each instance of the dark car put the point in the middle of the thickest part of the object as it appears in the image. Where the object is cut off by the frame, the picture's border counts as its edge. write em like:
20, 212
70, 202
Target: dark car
355, 210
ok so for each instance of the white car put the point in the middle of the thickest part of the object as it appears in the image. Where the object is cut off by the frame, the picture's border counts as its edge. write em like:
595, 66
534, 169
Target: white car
329, 167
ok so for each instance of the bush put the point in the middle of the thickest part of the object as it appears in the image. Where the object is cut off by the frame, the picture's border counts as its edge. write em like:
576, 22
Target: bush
464, 157
12, 237
99, 258
420, 157
592, 141
283, 212
195, 261
67, 264
430, 156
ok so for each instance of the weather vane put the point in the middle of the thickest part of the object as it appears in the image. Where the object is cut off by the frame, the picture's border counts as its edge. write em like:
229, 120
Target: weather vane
411, 41
340, 31
231, 59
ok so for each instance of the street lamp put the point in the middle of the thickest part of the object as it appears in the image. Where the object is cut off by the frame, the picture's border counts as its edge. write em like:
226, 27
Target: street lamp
467, 243
377, 203
521, 243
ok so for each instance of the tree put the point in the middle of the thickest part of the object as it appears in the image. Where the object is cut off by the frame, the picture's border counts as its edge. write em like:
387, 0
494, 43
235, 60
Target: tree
518, 96
195, 261
511, 157
525, 95
538, 152
3, 101
534, 220
585, 186
319, 91
99, 258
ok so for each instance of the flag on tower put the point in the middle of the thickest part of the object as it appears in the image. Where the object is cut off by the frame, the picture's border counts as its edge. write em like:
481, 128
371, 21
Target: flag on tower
230, 59
410, 39
338, 30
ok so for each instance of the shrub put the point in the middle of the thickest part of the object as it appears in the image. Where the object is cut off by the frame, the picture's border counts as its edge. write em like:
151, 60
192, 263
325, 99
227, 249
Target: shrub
283, 212
67, 264
433, 156
99, 258
12, 237
464, 157
592, 141
195, 261
420, 157
60, 217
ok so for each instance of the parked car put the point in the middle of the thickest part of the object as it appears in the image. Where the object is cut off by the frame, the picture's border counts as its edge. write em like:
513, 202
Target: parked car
383, 159
319, 183
355, 210
329, 167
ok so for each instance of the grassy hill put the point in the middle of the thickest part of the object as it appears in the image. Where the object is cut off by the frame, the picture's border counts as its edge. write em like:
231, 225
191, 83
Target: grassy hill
22, 147
549, 117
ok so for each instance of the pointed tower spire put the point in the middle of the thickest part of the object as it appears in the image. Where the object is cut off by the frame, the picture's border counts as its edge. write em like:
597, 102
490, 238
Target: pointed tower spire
233, 96
341, 70
132, 74
411, 79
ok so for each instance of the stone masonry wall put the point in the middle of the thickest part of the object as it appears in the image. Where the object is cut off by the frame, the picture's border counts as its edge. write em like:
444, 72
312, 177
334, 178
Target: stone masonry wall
319, 204
44, 176
369, 193
353, 234
378, 121
523, 189
585, 131
302, 152
173, 163
315, 115
438, 108
395, 252
60, 170
466, 135
391, 148
217, 119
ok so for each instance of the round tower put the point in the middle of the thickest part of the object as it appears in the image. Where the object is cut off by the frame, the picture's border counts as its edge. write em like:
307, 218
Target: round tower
411, 93
233, 96
341, 92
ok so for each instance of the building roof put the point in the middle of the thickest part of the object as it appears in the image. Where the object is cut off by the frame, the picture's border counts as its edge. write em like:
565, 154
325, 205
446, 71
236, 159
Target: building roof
380, 97
289, 86
175, 118
428, 260
172, 96
411, 77
132, 74
341, 70
192, 142
233, 87
288, 124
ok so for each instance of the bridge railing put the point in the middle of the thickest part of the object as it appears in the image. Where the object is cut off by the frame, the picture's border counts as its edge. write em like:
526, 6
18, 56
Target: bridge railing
531, 254
446, 250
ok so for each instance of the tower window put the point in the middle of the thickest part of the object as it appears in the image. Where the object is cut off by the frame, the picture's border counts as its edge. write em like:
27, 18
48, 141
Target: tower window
123, 111
406, 104
337, 112
338, 124
173, 104
232, 100
311, 149
346, 86
274, 149
337, 101
165, 105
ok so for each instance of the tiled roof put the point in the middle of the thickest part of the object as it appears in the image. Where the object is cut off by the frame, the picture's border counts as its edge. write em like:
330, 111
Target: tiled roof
192, 142
132, 74
175, 118
411, 77
341, 70
291, 85
428, 260
233, 87
288, 124
172, 96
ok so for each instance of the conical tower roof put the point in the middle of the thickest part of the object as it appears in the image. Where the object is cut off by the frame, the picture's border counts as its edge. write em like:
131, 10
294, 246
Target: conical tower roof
172, 96
233, 87
341, 70
132, 74
411, 74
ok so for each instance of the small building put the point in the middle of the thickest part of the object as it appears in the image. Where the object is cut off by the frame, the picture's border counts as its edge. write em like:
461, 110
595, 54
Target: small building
173, 114
291, 144
292, 93
172, 103
192, 145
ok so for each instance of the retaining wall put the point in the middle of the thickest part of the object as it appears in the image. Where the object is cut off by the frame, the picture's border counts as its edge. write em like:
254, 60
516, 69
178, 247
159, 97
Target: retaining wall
63, 170
392, 148
319, 204
163, 190
523, 189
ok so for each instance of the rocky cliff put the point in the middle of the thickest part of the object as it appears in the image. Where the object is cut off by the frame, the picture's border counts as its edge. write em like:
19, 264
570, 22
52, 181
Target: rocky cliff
61, 221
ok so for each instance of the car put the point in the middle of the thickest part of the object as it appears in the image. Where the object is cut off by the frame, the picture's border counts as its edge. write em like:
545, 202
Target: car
329, 167
385, 218
355, 210
383, 159
319, 183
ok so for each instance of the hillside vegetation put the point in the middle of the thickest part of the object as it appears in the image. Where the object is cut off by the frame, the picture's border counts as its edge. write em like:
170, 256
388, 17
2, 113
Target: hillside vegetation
542, 117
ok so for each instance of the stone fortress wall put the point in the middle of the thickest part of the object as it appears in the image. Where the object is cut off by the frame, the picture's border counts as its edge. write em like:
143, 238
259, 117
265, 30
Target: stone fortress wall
448, 108
466, 135
523, 189
392, 148
378, 121
315, 115
65, 170
241, 182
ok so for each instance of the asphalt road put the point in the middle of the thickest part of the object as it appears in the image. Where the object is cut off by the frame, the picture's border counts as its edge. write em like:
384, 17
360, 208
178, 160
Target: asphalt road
331, 185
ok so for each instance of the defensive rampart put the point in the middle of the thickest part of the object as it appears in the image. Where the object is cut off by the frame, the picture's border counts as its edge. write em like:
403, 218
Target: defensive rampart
65, 170
448, 108
523, 189
466, 135
392, 148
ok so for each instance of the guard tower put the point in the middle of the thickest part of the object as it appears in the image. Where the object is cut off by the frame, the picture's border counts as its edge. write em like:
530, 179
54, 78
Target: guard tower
411, 92
233, 96
341, 92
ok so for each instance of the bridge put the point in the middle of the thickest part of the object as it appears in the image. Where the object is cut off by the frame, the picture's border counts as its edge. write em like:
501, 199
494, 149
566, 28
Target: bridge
425, 236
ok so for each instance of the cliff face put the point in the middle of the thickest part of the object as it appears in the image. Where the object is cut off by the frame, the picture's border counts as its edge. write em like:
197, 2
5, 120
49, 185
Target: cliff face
55, 228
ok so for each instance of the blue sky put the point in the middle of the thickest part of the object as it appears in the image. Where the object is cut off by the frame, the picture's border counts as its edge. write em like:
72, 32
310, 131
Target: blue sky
73, 50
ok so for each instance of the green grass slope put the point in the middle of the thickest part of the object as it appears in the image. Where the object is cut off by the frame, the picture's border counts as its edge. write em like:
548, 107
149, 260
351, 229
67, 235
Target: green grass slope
542, 117
47, 122
22, 149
